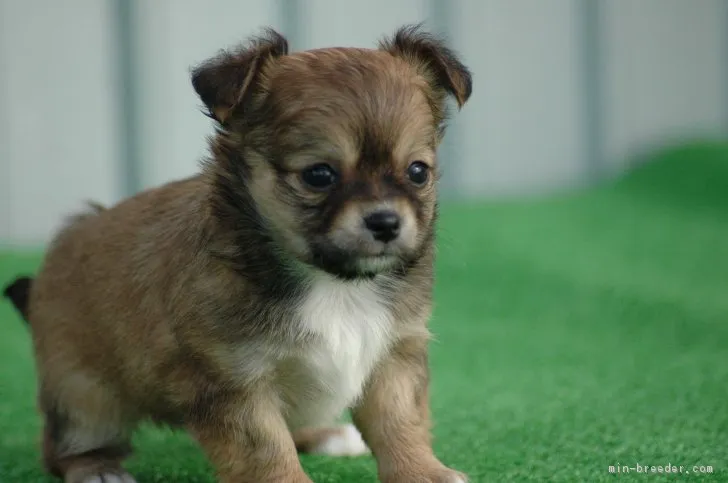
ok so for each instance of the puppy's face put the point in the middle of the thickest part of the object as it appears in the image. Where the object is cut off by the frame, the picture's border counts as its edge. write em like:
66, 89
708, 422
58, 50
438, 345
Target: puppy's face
347, 176
337, 149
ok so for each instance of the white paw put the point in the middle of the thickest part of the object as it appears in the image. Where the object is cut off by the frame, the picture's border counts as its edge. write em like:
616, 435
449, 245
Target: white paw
345, 442
110, 478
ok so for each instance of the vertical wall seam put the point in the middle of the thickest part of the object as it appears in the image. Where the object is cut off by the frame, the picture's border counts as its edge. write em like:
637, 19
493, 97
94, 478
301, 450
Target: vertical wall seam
130, 164
441, 21
7, 234
292, 25
592, 72
724, 61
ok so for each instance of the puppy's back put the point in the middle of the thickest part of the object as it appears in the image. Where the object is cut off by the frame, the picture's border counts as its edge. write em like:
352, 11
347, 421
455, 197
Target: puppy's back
98, 304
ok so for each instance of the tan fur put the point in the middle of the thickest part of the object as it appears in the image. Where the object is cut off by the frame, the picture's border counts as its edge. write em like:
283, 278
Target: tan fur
187, 304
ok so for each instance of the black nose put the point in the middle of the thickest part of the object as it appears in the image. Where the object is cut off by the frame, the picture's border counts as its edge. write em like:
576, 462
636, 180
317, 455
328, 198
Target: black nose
384, 225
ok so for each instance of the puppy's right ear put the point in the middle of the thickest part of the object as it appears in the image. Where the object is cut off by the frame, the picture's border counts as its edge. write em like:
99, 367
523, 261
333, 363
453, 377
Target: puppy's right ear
432, 57
226, 82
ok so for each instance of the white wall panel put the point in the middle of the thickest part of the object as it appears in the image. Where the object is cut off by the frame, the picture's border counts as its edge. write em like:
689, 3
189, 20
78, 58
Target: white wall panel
59, 116
664, 73
173, 36
355, 24
522, 130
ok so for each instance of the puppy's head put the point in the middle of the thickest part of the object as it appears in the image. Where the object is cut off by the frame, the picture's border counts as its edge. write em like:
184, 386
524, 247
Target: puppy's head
335, 148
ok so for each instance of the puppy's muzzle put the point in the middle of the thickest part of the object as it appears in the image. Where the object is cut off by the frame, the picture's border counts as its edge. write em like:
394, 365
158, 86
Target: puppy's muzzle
384, 225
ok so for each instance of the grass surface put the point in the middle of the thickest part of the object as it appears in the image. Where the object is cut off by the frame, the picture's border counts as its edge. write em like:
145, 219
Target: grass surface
572, 334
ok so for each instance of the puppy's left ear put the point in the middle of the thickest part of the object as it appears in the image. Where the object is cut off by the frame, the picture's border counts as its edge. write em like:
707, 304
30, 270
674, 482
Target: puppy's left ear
433, 59
226, 82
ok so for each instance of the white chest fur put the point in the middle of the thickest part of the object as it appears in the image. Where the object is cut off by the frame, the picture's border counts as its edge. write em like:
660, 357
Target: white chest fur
350, 326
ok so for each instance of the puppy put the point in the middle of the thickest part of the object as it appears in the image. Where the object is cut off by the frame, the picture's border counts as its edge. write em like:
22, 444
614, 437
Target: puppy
289, 281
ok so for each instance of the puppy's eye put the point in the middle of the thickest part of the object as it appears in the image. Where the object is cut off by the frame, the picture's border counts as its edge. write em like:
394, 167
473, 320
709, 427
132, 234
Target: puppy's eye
418, 172
319, 176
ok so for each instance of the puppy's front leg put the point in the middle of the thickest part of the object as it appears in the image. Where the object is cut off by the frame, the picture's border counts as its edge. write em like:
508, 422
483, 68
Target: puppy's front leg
246, 439
393, 417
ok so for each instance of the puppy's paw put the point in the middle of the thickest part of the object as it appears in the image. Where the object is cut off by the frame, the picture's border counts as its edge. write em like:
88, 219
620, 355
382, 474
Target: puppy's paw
343, 440
421, 475
115, 477
457, 477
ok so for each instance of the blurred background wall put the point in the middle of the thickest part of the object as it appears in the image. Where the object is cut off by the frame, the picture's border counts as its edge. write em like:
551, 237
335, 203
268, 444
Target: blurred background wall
96, 103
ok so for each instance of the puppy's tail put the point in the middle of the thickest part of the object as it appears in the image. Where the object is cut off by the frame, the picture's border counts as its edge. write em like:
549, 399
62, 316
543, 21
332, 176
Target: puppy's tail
19, 293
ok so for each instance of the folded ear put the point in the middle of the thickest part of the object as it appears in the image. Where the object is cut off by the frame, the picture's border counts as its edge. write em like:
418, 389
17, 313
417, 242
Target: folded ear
225, 82
433, 58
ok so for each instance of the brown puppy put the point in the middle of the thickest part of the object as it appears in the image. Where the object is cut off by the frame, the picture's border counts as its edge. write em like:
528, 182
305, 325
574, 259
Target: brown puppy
288, 282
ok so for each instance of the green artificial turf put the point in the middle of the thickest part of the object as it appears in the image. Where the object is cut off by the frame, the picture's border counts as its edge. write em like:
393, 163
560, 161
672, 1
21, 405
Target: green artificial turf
573, 333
